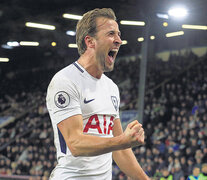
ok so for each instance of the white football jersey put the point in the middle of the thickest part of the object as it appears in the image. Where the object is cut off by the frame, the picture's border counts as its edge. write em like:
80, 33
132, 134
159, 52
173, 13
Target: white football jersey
74, 91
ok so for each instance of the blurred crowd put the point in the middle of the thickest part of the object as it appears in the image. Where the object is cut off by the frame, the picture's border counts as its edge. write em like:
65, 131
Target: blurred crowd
175, 120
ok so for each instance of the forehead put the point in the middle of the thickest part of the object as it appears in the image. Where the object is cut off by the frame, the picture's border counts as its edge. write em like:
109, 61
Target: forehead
196, 169
105, 24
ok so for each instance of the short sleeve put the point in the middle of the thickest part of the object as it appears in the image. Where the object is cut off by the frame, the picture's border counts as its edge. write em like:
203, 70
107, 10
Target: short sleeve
63, 99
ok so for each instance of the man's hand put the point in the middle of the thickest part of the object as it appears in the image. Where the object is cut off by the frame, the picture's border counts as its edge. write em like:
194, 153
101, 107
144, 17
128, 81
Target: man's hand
134, 133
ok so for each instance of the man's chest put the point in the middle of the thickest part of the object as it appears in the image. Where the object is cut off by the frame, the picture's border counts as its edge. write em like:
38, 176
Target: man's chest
99, 100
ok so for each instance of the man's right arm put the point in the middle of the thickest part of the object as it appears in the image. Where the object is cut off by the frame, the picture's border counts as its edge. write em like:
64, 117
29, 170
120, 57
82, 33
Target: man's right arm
81, 144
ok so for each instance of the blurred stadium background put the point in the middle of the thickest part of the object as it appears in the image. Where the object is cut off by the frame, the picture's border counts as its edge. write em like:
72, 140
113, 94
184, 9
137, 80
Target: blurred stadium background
171, 103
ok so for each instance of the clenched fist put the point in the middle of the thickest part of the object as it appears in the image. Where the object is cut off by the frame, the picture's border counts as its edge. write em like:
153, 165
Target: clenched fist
134, 133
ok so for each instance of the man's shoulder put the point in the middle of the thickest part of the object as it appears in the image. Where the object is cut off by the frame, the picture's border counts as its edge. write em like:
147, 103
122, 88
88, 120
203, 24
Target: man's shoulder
106, 78
67, 72
67, 75
109, 80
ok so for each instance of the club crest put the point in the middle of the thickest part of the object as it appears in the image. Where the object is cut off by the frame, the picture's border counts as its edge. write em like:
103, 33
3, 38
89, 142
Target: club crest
62, 99
114, 102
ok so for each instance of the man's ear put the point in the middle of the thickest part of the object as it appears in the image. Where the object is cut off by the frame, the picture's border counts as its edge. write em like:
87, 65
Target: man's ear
89, 41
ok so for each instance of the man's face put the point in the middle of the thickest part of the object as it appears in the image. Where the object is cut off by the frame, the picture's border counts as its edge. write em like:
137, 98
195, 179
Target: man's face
165, 173
204, 169
107, 43
196, 171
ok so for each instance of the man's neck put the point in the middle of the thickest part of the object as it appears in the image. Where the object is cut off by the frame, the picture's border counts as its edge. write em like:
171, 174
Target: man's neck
90, 65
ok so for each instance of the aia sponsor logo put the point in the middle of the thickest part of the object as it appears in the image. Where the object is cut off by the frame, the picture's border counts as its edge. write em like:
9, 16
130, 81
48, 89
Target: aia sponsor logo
102, 123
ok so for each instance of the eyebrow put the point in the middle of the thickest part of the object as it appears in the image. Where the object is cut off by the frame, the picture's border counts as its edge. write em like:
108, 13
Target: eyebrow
119, 33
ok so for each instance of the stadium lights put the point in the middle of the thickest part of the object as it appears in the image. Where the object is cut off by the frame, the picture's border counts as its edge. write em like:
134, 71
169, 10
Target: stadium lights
28, 43
140, 39
165, 24
4, 59
152, 37
162, 16
72, 45
13, 43
178, 33
53, 44
178, 12
132, 23
41, 26
124, 42
72, 16
5, 46
71, 33
197, 27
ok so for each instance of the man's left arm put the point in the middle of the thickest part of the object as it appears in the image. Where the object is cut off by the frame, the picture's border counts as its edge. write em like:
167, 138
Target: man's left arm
126, 159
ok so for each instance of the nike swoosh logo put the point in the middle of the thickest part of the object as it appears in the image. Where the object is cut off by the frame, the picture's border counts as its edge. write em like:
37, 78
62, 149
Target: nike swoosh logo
87, 101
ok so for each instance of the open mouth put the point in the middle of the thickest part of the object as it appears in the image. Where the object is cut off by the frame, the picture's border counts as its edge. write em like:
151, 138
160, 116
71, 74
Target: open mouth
112, 55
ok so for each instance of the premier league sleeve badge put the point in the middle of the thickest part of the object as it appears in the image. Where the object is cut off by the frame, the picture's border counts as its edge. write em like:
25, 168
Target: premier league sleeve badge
62, 99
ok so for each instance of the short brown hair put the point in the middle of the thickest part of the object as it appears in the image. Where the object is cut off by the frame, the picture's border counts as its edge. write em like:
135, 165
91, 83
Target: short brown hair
87, 25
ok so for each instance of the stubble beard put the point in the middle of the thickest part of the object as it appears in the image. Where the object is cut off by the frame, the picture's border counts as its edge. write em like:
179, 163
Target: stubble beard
103, 63
109, 69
